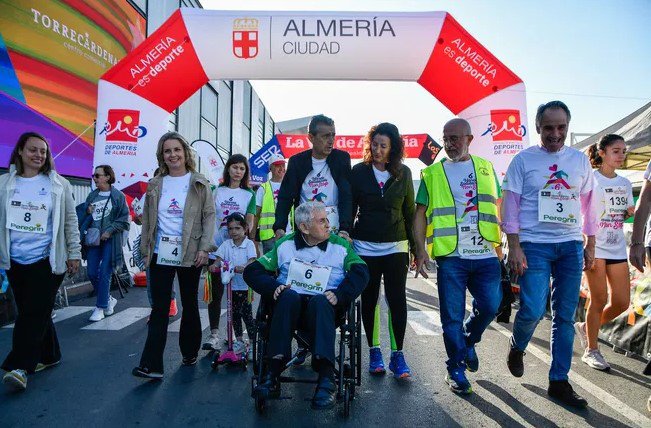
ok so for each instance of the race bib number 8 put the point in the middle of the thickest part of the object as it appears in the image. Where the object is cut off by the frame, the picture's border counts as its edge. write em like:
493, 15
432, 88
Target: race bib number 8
26, 216
558, 206
169, 251
308, 278
616, 200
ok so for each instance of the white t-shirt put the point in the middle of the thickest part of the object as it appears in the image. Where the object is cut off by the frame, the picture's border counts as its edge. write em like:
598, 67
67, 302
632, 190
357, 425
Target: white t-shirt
376, 249
319, 185
171, 205
237, 255
463, 183
30, 247
229, 201
615, 196
259, 197
534, 170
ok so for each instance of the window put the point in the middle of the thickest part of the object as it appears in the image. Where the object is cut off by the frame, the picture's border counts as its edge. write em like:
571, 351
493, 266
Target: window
173, 121
209, 107
225, 114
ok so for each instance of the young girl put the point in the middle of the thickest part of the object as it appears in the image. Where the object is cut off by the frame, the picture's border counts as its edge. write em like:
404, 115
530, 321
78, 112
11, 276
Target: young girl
233, 195
238, 251
610, 272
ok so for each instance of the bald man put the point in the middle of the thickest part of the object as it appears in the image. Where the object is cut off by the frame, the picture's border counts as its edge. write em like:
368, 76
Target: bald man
456, 223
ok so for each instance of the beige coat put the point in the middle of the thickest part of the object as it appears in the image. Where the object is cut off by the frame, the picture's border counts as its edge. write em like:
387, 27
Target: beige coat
65, 231
198, 219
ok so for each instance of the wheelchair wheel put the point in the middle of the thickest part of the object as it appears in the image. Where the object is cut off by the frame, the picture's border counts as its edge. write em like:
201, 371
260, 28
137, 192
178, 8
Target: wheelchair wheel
260, 404
347, 400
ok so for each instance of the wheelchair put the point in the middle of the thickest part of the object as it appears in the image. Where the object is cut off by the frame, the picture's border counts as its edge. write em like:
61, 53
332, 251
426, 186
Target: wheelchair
348, 362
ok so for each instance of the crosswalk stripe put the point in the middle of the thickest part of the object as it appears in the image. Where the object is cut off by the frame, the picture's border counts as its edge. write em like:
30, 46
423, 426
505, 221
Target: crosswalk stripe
120, 320
425, 323
203, 315
65, 313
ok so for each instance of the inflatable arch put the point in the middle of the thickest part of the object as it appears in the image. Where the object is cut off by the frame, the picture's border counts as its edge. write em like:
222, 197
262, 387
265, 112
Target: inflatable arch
194, 46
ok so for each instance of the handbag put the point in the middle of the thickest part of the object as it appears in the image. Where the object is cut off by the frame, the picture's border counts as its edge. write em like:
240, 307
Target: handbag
93, 234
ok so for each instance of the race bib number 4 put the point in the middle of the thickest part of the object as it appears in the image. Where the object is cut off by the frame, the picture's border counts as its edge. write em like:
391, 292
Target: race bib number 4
308, 278
616, 200
471, 243
558, 206
169, 250
26, 216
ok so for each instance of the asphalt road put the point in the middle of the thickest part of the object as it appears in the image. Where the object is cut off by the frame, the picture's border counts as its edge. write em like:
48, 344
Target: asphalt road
93, 386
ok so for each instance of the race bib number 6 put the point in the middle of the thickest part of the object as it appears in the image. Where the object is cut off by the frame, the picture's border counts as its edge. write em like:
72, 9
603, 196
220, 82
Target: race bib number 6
26, 216
308, 278
558, 206
170, 250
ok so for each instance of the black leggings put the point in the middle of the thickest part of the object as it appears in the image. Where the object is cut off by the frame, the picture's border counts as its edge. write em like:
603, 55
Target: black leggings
394, 269
242, 312
215, 307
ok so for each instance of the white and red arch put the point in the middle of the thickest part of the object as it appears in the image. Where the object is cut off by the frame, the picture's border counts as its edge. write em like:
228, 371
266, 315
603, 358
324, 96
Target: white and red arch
194, 46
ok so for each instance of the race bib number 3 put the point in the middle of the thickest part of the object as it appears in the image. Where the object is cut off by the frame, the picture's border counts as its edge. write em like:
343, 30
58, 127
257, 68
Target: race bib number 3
471, 243
616, 200
308, 278
169, 251
558, 206
26, 216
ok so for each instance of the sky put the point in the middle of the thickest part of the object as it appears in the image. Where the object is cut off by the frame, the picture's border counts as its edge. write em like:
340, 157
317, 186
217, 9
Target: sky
594, 55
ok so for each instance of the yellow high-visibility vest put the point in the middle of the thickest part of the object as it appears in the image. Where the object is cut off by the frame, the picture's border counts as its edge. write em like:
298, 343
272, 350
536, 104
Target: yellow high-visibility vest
441, 232
268, 213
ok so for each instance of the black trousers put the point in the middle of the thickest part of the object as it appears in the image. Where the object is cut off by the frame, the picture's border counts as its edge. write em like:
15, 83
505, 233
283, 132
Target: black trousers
215, 307
313, 315
242, 311
161, 280
34, 337
394, 269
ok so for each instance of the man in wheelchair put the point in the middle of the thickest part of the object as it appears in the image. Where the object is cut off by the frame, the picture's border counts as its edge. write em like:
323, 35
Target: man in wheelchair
319, 276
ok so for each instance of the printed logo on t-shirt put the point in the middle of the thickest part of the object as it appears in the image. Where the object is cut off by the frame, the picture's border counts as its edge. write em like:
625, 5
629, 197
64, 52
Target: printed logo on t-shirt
174, 208
42, 192
469, 184
317, 183
228, 206
471, 204
557, 178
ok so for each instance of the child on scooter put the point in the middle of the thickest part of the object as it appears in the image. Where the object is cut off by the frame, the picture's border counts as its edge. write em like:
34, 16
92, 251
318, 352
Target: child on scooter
239, 251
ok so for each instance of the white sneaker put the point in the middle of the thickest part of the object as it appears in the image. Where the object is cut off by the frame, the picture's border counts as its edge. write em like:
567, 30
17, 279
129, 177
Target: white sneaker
582, 334
211, 343
594, 359
97, 315
16, 379
111, 306
239, 347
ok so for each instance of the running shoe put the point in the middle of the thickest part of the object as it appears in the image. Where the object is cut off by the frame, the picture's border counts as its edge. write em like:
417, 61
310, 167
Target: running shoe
189, 361
174, 310
563, 391
16, 380
111, 306
42, 366
239, 347
472, 360
582, 334
97, 315
594, 359
375, 363
146, 373
299, 356
398, 365
458, 383
211, 343
515, 362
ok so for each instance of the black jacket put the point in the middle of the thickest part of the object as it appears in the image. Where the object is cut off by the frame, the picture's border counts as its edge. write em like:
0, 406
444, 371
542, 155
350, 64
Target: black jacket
298, 167
387, 218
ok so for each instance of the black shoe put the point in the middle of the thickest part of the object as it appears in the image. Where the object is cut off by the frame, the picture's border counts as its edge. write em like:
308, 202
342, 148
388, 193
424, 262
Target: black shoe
146, 373
325, 395
299, 356
563, 391
516, 366
270, 388
189, 361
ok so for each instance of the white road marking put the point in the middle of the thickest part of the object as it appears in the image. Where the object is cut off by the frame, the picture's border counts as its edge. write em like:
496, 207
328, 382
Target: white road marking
205, 321
613, 402
120, 320
425, 323
65, 313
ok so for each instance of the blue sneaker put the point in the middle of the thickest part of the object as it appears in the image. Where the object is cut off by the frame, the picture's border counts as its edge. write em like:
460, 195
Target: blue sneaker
456, 380
375, 363
472, 360
398, 365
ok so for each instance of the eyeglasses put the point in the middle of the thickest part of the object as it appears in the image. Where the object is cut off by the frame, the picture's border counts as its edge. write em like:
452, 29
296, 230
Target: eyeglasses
99, 175
454, 139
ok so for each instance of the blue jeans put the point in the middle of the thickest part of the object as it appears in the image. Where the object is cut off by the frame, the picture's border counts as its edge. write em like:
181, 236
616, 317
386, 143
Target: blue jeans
564, 263
174, 285
482, 278
100, 270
